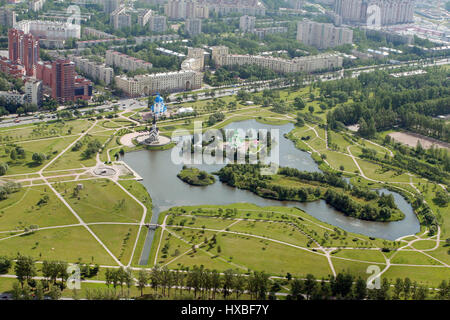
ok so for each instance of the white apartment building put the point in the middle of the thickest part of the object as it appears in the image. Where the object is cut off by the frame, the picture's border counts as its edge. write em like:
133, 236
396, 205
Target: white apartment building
109, 5
247, 23
160, 82
144, 17
125, 62
52, 30
36, 5
119, 18
308, 64
158, 24
323, 35
226, 7
193, 26
33, 91
262, 32
185, 9
97, 33
391, 11
94, 70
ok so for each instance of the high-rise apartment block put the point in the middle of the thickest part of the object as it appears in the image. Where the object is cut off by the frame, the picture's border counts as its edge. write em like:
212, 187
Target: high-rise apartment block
63, 80
193, 26
33, 91
323, 35
109, 5
144, 17
23, 49
7, 17
185, 9
119, 18
247, 23
363, 12
158, 24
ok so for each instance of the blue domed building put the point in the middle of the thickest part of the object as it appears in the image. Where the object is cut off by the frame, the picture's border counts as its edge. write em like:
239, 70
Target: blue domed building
158, 108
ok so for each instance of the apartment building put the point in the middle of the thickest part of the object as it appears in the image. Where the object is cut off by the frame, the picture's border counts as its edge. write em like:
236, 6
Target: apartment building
7, 17
160, 82
328, 61
119, 18
391, 11
323, 35
193, 26
94, 70
247, 23
125, 62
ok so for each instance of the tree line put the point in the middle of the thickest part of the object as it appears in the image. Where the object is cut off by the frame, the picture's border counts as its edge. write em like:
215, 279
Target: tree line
246, 176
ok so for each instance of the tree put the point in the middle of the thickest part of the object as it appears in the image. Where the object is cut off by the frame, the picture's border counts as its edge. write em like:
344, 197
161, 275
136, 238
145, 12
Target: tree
299, 103
406, 288
38, 157
311, 109
310, 285
3, 168
398, 288
239, 285
142, 280
5, 264
55, 292
296, 290
39, 291
24, 269
300, 122
360, 289
227, 284
442, 198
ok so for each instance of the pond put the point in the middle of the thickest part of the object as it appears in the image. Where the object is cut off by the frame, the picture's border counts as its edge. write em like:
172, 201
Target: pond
160, 179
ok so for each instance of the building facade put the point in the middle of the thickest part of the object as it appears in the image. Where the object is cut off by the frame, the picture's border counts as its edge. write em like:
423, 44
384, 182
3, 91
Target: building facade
362, 12
186, 9
144, 17
125, 62
94, 70
227, 7
49, 29
193, 27
158, 24
262, 32
36, 5
7, 17
160, 82
109, 5
119, 18
320, 62
63, 80
323, 35
247, 23
23, 48
33, 91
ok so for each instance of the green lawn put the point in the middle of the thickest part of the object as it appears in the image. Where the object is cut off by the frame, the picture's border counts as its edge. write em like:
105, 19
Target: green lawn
67, 244
21, 210
115, 204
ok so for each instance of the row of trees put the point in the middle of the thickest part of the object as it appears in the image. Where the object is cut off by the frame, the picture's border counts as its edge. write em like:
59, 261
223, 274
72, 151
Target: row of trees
210, 284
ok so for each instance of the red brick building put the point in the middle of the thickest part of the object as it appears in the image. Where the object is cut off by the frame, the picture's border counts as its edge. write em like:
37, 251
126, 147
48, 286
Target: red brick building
63, 80
23, 49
